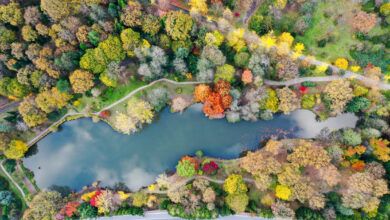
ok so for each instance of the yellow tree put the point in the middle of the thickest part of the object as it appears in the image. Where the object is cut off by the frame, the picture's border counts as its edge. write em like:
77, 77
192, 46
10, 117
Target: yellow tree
31, 114
16, 149
199, 6
81, 81
51, 100
140, 110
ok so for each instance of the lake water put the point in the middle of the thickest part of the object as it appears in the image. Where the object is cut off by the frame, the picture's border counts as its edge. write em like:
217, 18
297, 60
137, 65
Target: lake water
83, 151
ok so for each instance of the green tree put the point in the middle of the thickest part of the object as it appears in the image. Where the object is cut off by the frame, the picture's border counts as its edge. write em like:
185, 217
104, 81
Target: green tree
16, 89
241, 59
350, 137
185, 168
7, 36
87, 211
358, 104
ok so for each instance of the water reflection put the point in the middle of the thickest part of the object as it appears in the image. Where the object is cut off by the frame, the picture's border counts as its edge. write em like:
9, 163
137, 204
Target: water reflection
84, 151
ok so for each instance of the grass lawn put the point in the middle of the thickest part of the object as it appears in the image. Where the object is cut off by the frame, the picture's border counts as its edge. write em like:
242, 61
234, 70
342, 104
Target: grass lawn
327, 24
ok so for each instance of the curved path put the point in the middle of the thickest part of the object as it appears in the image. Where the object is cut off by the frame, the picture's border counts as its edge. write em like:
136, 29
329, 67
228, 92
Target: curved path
63, 118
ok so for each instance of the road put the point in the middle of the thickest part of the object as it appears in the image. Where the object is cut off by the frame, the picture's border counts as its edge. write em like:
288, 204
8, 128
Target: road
8, 107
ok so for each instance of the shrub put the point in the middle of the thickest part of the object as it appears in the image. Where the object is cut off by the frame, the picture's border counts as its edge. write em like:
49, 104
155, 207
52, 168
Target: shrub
358, 104
185, 168
304, 213
308, 101
237, 202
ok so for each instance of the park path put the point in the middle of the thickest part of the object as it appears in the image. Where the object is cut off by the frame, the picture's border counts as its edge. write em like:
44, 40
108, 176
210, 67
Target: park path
63, 118
13, 181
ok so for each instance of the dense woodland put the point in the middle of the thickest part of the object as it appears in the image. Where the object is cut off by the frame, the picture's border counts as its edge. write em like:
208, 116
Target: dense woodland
80, 58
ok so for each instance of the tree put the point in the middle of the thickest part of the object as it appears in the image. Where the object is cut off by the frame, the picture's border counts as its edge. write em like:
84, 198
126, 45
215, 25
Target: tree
4, 141
112, 49
234, 184
32, 15
151, 24
225, 72
11, 13
14, 88
241, 59
158, 98
87, 211
308, 101
187, 167
201, 92
81, 81
131, 15
140, 110
44, 205
237, 202
16, 149
51, 100
140, 199
350, 137
289, 101
363, 22
31, 114
199, 6
29, 34
214, 38
6, 198
214, 55
56, 9
178, 25
339, 93
7, 36
213, 106
286, 68
357, 104
130, 40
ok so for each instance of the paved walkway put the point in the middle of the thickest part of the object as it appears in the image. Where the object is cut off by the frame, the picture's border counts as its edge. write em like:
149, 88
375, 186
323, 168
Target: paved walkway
163, 215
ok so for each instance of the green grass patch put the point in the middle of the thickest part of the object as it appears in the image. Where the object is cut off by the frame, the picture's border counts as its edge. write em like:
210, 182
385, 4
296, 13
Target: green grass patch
328, 38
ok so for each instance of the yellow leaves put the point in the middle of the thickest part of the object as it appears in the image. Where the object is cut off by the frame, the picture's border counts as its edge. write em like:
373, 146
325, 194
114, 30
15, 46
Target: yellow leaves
286, 38
81, 81
198, 6
234, 184
355, 68
214, 38
152, 187
320, 69
268, 41
299, 48
123, 196
16, 149
283, 192
341, 63
381, 149
87, 196
145, 43
236, 39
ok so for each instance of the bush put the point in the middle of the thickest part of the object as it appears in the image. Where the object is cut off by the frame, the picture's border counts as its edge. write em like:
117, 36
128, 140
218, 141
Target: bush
308, 101
304, 213
10, 165
130, 210
185, 168
350, 137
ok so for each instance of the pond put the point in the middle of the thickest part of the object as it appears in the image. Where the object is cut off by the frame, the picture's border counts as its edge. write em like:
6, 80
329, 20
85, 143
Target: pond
83, 151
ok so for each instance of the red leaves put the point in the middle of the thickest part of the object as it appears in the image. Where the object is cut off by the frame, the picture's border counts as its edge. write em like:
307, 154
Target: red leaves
210, 168
218, 101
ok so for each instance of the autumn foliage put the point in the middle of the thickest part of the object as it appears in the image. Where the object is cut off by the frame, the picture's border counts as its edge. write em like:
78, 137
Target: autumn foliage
201, 93
218, 101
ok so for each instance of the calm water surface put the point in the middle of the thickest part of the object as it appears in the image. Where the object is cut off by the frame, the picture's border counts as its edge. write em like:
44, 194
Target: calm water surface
83, 151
